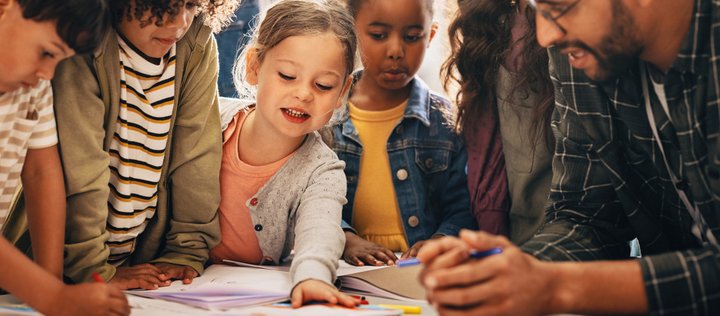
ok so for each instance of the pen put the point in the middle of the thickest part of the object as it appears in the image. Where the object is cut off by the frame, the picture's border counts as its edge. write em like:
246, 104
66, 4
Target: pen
97, 278
473, 254
405, 308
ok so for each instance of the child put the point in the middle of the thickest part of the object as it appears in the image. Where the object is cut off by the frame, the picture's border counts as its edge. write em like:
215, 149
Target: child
36, 35
282, 187
405, 166
139, 124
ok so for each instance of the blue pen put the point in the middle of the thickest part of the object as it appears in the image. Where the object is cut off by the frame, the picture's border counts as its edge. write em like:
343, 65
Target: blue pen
473, 254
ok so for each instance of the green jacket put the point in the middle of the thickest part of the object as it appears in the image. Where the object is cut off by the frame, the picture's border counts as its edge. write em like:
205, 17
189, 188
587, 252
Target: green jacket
185, 225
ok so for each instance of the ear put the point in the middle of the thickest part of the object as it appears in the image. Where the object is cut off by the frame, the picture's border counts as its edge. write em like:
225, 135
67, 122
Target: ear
343, 93
433, 31
252, 66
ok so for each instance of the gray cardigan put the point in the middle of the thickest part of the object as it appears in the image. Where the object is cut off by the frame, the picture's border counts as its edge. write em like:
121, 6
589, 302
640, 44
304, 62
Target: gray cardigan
300, 207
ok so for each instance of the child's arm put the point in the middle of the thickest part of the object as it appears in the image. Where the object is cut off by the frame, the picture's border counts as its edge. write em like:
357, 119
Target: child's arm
194, 170
44, 191
48, 295
319, 240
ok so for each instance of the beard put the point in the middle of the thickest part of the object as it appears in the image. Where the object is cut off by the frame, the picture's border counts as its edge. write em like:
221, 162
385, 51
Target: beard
618, 50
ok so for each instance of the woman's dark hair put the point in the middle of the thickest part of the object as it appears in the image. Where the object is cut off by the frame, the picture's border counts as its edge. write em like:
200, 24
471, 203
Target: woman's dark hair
354, 6
81, 24
216, 13
480, 41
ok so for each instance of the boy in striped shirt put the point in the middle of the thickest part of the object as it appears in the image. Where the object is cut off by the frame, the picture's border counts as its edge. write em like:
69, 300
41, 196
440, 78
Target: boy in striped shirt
36, 35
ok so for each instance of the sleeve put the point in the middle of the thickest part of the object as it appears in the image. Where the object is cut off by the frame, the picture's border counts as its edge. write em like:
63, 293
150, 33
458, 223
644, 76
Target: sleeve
80, 113
194, 172
453, 196
487, 177
319, 240
585, 219
44, 133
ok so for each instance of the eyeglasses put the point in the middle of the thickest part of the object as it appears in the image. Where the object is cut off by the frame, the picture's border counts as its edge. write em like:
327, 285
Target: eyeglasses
558, 13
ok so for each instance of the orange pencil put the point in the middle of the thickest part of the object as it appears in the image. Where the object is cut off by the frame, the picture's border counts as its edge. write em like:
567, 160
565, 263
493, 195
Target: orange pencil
97, 278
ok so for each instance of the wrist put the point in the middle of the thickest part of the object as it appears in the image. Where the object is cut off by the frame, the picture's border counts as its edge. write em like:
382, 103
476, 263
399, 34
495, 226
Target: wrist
563, 280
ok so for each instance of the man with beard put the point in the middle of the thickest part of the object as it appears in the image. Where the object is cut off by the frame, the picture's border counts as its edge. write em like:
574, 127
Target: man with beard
637, 156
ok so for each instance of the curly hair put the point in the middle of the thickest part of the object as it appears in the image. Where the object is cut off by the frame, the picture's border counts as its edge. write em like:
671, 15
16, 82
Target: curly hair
216, 13
480, 40
354, 6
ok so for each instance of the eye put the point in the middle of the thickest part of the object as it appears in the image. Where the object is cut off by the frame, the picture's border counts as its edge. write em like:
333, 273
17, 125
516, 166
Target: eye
323, 87
285, 77
377, 36
412, 38
47, 54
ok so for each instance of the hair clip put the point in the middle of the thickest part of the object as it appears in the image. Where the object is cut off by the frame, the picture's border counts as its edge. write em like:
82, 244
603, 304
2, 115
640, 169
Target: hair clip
514, 3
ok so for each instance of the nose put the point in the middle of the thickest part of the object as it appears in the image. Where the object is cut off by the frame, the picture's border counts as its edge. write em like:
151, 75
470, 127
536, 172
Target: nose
303, 93
395, 48
547, 33
45, 71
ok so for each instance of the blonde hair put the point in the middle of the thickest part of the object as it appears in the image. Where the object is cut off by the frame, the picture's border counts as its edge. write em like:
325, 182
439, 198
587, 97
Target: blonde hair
295, 18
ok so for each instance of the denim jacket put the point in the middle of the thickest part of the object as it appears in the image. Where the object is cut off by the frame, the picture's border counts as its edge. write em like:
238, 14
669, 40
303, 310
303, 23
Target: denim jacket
427, 161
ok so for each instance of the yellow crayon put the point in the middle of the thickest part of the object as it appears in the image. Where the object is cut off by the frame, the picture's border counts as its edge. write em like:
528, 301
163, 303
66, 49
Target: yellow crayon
405, 308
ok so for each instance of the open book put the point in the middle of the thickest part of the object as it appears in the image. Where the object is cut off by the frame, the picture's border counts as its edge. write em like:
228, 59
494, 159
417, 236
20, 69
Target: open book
383, 281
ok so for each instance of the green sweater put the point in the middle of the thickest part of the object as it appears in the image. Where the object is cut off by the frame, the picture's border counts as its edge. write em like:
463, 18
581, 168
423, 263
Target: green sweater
185, 225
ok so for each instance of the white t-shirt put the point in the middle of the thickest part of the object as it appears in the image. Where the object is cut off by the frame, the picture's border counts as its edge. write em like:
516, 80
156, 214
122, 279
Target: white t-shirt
26, 121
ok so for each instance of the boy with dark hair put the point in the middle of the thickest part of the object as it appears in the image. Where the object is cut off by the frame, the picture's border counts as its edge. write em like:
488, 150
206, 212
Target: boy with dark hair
36, 35
143, 192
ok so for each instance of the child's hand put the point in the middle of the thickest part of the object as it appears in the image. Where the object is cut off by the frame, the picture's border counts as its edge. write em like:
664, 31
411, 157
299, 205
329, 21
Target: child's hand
145, 276
413, 251
87, 299
177, 272
314, 290
359, 252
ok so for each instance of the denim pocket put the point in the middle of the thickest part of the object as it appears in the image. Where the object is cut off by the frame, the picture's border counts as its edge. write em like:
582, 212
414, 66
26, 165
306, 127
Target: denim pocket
432, 160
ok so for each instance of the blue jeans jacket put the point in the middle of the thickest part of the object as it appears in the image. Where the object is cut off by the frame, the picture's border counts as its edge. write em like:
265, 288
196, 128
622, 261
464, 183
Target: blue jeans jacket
432, 192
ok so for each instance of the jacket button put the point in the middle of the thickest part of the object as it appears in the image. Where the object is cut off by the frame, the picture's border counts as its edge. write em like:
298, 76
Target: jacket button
402, 174
428, 163
258, 227
413, 221
351, 179
253, 201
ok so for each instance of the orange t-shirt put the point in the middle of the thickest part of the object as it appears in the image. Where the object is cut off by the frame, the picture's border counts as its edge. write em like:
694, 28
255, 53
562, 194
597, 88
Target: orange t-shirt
239, 181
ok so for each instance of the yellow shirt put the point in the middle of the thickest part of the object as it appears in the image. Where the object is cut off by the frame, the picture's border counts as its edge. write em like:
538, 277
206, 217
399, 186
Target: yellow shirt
376, 214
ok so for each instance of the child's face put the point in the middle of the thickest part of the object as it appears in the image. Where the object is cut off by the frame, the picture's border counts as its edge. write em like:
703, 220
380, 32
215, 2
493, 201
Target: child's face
393, 36
31, 49
300, 82
155, 41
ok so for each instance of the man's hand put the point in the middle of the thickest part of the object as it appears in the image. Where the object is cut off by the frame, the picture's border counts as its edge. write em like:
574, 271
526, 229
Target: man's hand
510, 283
359, 252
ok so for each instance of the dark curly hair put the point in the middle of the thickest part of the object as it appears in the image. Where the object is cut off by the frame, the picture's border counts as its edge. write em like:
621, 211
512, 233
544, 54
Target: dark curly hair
480, 40
216, 13
354, 6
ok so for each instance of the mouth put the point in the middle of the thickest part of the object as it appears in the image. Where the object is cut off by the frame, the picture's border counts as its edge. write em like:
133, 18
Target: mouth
295, 115
166, 40
395, 74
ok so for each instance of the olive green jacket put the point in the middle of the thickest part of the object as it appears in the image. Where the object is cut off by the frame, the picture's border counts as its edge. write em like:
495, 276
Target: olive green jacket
185, 225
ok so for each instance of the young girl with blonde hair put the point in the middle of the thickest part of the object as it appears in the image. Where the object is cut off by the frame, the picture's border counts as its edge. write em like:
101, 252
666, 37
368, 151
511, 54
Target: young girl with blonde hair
282, 188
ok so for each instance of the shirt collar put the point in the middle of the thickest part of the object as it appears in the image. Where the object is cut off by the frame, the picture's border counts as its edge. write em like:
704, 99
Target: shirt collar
693, 56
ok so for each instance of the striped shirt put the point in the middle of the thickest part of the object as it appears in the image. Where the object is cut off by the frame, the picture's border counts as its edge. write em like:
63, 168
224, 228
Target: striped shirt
137, 150
610, 182
26, 121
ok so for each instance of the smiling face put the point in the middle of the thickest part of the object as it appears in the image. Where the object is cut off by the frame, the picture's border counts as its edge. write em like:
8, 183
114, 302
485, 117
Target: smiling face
601, 39
393, 36
299, 85
155, 41
31, 50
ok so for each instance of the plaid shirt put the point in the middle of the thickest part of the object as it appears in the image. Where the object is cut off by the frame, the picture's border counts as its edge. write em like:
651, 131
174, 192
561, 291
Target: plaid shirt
610, 183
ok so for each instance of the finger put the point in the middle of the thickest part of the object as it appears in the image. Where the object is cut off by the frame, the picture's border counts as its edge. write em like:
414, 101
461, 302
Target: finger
406, 254
450, 258
482, 241
147, 268
472, 272
296, 299
371, 260
382, 256
189, 275
480, 310
436, 247
466, 296
346, 300
390, 254
116, 293
329, 297
119, 306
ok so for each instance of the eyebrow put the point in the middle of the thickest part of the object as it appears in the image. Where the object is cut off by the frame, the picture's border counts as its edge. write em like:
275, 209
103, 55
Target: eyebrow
386, 25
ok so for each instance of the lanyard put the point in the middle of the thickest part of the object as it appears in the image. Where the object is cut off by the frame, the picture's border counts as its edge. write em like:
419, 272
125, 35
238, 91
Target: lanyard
700, 228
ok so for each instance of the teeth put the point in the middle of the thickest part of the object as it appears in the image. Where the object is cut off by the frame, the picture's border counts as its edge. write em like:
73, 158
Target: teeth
294, 113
